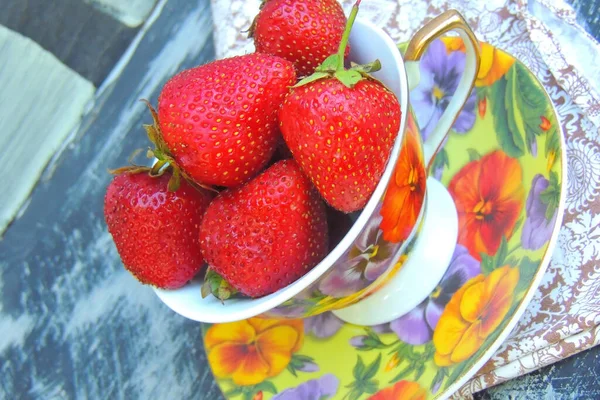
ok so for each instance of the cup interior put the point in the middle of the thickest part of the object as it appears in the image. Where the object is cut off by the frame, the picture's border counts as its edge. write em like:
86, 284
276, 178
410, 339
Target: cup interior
367, 43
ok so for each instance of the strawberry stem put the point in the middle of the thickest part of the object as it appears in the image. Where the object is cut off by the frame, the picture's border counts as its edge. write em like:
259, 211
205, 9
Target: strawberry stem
216, 285
333, 66
346, 35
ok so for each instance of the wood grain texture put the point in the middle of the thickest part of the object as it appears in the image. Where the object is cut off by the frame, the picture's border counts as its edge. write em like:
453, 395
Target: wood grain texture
131, 13
80, 326
588, 15
87, 40
38, 111
577, 377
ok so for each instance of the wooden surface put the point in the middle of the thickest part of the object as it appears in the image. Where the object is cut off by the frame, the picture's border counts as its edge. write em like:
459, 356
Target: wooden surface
132, 13
74, 324
39, 109
577, 378
80, 35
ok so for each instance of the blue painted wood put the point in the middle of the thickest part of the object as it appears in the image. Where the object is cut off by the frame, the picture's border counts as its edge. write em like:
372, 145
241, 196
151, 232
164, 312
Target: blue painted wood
577, 377
588, 15
73, 323
82, 37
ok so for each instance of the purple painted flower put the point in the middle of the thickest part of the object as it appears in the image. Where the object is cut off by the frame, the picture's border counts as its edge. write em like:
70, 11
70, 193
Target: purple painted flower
287, 312
437, 172
534, 146
316, 389
416, 327
295, 307
308, 367
323, 325
440, 75
382, 328
358, 341
436, 385
537, 229
367, 260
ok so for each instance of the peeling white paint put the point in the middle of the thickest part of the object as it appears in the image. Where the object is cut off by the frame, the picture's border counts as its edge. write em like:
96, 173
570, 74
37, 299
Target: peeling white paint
131, 12
14, 331
42, 102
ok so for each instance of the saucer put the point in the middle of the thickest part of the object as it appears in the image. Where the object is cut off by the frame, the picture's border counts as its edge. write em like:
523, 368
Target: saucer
504, 165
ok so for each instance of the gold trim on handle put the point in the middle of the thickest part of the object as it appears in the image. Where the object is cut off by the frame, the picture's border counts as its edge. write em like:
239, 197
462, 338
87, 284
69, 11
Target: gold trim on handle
443, 23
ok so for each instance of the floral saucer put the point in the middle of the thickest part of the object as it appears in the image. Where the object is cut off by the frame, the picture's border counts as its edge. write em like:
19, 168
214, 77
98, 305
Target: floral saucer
504, 166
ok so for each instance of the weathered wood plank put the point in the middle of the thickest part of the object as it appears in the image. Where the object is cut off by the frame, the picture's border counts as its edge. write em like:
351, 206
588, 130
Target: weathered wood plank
38, 111
81, 327
87, 40
131, 13
576, 377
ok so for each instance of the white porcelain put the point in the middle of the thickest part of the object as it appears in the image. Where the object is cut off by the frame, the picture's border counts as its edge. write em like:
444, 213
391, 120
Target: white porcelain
422, 271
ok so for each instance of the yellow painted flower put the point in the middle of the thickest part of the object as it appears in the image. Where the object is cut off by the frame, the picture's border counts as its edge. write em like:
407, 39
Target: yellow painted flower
392, 363
252, 350
551, 160
494, 62
473, 313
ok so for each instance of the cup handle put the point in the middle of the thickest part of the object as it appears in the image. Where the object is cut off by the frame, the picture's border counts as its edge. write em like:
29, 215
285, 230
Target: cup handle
443, 23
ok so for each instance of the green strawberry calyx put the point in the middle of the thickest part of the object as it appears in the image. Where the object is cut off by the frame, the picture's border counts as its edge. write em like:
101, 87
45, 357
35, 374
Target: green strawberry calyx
165, 161
333, 66
216, 285
252, 28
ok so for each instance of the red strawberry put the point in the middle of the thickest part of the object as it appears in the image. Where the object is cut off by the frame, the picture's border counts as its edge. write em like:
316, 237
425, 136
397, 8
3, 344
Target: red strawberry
340, 126
218, 121
266, 234
156, 230
304, 32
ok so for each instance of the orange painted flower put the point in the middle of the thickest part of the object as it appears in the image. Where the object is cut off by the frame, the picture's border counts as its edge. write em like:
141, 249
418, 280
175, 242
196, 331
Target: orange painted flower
252, 350
406, 191
472, 314
403, 390
494, 62
545, 124
488, 194
482, 107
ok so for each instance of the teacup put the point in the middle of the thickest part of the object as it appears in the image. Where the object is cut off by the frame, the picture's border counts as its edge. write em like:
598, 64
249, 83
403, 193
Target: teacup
401, 243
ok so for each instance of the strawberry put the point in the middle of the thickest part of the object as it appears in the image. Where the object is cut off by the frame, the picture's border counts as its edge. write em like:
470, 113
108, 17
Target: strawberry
267, 233
217, 122
340, 125
156, 230
304, 32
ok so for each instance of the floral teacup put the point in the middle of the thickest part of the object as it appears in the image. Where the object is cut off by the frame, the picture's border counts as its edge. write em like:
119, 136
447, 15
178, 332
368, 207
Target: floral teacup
401, 243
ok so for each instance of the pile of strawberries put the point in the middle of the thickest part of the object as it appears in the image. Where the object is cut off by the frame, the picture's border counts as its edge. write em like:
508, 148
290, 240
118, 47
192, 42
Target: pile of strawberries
246, 149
